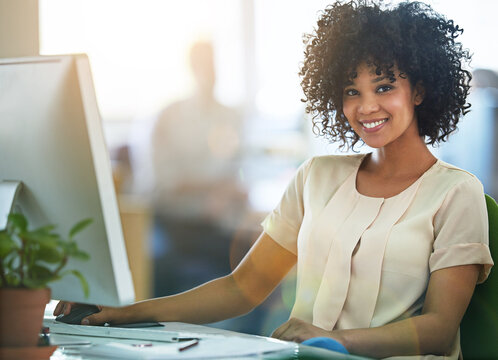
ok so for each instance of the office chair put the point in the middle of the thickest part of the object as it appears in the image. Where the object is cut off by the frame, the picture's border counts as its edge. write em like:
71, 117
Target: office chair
479, 327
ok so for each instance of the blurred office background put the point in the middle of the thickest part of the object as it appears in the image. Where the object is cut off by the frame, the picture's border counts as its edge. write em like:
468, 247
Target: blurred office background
143, 58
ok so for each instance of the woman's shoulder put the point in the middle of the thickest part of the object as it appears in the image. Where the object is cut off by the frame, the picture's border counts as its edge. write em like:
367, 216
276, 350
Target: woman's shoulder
453, 174
336, 161
447, 178
329, 168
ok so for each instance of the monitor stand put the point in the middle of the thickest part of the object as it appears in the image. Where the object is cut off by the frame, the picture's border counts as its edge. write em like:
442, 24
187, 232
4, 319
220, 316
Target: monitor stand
9, 190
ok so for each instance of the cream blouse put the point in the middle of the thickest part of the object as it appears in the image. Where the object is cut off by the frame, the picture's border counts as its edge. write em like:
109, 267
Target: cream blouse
365, 261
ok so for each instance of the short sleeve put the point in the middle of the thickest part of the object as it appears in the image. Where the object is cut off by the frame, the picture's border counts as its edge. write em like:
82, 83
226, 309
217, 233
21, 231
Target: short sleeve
284, 222
461, 230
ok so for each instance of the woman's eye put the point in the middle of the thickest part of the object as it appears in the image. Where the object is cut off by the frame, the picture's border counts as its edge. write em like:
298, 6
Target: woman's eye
350, 92
384, 88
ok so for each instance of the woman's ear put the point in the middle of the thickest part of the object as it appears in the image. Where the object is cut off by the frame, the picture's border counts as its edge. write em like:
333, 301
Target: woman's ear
419, 93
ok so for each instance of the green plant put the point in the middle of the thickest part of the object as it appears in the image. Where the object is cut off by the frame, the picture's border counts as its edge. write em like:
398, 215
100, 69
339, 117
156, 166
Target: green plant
33, 258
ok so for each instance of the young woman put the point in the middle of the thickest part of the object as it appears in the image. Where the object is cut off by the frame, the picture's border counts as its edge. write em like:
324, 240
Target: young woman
388, 245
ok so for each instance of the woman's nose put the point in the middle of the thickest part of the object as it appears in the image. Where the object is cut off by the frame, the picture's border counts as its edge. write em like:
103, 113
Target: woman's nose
368, 105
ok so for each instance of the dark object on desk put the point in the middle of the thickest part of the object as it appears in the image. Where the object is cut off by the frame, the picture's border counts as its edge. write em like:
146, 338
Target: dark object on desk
80, 312
188, 346
44, 339
138, 325
77, 314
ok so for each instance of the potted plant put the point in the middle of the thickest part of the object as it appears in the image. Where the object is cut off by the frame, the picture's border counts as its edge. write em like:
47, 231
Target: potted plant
29, 261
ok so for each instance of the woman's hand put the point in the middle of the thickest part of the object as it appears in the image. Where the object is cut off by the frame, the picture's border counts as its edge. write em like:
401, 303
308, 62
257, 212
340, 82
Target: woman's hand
64, 307
111, 315
105, 315
298, 330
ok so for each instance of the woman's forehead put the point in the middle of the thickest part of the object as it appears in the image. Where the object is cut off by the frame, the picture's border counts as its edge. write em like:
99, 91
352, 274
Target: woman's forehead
373, 72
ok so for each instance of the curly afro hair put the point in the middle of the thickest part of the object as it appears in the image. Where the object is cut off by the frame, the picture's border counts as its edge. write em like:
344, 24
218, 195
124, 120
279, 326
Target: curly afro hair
413, 37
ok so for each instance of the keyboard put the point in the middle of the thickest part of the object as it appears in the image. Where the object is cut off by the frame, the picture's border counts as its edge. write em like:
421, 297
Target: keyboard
148, 334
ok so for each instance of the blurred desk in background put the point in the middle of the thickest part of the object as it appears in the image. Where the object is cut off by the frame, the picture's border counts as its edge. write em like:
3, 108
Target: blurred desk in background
136, 222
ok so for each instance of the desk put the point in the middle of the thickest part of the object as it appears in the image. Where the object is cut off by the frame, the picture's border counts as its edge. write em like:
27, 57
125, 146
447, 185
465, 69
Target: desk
136, 222
296, 352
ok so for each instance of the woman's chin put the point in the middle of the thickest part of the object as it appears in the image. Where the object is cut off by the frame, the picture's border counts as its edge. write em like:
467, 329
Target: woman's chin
375, 144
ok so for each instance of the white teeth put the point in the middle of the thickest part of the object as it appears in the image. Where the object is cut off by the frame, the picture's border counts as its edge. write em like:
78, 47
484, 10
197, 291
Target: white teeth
374, 124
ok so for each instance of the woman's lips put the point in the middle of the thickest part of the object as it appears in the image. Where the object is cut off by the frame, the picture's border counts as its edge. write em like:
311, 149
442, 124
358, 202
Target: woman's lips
373, 125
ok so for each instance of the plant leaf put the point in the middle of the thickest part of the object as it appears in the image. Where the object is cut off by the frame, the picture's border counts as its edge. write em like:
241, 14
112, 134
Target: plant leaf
43, 239
42, 234
49, 254
81, 255
84, 284
12, 280
41, 273
71, 247
49, 240
10, 263
38, 251
18, 221
63, 245
6, 244
79, 226
47, 229
35, 283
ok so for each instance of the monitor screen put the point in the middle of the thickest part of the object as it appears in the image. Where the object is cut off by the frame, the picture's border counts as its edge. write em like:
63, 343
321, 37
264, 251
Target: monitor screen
51, 140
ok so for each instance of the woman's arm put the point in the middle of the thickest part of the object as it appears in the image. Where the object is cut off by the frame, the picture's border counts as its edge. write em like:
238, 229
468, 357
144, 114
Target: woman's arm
261, 270
432, 332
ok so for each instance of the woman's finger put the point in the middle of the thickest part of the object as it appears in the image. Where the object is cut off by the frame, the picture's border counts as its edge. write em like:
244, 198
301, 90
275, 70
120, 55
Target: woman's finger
277, 334
63, 307
99, 318
58, 308
67, 307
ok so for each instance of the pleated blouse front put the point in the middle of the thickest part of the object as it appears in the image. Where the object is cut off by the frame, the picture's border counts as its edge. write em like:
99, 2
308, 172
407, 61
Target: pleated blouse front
364, 261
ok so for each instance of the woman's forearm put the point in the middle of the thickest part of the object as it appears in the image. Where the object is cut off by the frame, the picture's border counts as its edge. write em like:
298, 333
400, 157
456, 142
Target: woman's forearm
259, 272
433, 332
216, 300
424, 334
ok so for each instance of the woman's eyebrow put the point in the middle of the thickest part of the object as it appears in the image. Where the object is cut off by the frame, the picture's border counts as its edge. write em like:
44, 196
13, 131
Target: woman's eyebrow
380, 78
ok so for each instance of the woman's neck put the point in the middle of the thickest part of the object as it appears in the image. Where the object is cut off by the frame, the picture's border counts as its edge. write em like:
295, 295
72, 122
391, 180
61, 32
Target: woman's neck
406, 160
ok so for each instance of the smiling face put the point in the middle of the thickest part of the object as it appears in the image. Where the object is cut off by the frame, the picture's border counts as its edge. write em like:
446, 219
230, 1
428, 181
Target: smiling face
379, 110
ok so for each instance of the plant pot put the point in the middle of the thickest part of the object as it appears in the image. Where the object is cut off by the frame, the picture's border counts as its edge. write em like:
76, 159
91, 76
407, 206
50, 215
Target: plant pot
21, 316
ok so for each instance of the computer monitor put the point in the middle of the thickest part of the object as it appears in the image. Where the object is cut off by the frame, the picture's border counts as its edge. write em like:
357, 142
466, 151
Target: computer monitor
51, 140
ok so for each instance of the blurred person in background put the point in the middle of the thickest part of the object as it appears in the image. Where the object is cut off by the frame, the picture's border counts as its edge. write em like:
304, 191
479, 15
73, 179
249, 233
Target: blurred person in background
197, 197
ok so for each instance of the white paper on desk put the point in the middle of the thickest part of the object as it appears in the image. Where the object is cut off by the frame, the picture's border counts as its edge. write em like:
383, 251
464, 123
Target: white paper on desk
207, 348
136, 351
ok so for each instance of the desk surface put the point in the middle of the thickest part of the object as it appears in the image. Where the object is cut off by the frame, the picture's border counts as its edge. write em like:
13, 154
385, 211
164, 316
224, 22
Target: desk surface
297, 351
